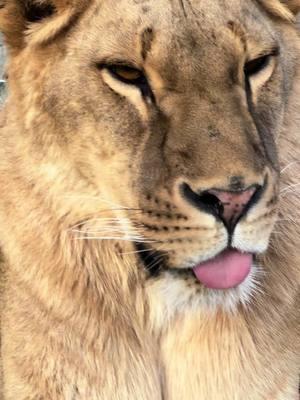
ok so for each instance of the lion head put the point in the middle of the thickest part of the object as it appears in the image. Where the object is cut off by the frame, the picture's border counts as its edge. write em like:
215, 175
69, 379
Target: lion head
157, 124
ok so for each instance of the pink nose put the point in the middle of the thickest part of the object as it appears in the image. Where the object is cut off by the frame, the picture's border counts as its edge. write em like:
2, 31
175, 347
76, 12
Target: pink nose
234, 203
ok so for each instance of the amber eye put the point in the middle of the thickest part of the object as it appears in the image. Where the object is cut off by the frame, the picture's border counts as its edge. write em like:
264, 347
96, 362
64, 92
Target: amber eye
255, 66
126, 74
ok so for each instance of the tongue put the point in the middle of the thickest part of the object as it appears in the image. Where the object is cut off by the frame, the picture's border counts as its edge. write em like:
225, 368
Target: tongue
225, 271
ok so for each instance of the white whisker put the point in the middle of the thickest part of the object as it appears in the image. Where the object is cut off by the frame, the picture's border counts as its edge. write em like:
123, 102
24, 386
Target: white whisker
155, 263
288, 166
100, 220
107, 229
109, 202
122, 238
290, 187
158, 248
135, 252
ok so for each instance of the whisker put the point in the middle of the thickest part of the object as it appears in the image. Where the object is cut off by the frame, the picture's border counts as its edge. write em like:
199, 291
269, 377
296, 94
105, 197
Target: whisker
132, 239
157, 261
106, 229
149, 250
288, 166
288, 192
98, 219
102, 220
97, 198
135, 252
288, 220
290, 187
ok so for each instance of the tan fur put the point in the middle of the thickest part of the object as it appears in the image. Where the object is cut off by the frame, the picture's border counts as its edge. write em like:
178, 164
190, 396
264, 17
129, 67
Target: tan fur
278, 8
2, 288
89, 168
237, 351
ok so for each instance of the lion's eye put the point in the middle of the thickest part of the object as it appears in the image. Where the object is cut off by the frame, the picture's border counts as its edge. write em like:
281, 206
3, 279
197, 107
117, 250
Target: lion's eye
131, 76
253, 67
126, 74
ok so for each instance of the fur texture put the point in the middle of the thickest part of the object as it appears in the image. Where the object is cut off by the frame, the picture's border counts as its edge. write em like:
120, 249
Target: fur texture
92, 171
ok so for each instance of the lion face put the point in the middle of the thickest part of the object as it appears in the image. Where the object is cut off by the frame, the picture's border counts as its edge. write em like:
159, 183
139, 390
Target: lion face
171, 110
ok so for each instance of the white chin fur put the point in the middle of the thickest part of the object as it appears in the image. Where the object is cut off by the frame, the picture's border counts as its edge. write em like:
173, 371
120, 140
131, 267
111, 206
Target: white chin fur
170, 295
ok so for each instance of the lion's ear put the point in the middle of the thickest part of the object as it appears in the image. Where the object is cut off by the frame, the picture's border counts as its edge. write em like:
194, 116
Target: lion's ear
35, 21
293, 5
286, 9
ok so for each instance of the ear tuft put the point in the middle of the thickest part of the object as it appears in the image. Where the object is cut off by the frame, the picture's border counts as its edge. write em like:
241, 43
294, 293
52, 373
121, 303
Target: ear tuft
293, 5
284, 9
36, 22
36, 12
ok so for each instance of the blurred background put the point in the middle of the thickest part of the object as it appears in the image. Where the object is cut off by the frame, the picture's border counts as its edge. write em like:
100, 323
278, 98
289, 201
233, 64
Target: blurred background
2, 62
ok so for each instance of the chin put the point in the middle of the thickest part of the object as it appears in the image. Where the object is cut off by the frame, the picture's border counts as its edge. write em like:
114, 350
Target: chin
173, 294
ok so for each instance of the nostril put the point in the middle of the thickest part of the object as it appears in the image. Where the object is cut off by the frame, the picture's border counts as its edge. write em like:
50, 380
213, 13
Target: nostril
235, 204
229, 206
212, 203
204, 201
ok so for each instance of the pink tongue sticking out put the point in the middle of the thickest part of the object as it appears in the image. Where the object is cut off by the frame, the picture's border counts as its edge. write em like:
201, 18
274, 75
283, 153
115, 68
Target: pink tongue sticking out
225, 271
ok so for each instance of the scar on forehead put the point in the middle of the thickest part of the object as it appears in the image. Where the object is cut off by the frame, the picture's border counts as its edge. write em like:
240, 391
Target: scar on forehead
147, 39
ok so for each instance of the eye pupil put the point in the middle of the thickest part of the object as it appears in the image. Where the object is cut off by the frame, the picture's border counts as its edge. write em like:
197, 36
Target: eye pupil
253, 67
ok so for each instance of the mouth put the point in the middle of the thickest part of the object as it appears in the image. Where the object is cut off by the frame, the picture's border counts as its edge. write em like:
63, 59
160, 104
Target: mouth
227, 270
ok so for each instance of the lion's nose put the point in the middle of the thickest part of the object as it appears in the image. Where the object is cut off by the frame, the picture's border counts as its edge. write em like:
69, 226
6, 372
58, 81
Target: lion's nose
233, 204
229, 206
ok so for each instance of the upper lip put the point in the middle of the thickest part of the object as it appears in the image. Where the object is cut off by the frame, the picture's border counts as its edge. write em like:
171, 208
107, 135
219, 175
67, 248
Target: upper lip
154, 261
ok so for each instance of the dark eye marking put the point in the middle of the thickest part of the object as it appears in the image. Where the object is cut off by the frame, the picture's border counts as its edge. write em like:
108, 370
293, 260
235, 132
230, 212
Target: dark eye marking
253, 67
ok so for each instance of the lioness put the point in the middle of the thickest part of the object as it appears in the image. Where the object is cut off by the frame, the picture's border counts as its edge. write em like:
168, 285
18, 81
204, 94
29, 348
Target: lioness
149, 209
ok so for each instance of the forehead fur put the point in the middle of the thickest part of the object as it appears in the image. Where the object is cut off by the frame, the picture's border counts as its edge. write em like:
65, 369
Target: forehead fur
17, 28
